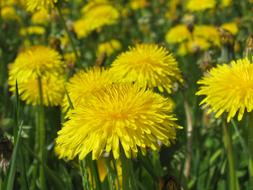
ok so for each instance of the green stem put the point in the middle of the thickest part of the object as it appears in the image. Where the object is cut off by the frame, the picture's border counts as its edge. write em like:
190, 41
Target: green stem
36, 149
189, 135
85, 175
233, 181
117, 174
68, 33
250, 150
42, 136
94, 172
110, 174
125, 172
128, 179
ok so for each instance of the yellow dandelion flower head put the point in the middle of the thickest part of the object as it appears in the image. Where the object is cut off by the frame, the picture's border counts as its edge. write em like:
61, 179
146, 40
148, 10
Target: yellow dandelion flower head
226, 3
231, 27
228, 88
198, 44
93, 5
52, 88
34, 62
178, 34
70, 59
85, 83
95, 17
9, 13
138, 4
40, 17
32, 30
83, 27
117, 115
10, 2
37, 60
172, 9
193, 46
33, 5
207, 32
200, 5
109, 47
149, 65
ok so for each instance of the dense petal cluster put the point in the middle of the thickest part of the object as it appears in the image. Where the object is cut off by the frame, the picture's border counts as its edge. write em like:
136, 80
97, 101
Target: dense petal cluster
118, 115
52, 90
95, 15
40, 17
37, 61
32, 30
207, 32
192, 40
85, 83
109, 47
9, 13
200, 5
229, 88
33, 5
138, 4
231, 27
226, 3
178, 34
193, 45
33, 63
149, 65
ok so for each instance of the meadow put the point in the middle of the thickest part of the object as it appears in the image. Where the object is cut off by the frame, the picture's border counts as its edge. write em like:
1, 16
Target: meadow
126, 94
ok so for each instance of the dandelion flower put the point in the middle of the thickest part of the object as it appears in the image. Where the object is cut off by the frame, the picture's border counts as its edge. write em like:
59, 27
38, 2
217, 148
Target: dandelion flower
9, 13
32, 30
149, 65
178, 34
43, 62
231, 27
95, 17
33, 5
117, 115
207, 32
109, 47
85, 83
226, 3
171, 12
193, 46
36, 61
200, 5
52, 90
138, 4
40, 17
229, 89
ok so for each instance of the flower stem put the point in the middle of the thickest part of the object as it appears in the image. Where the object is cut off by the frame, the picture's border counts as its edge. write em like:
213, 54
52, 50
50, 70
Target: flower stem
250, 150
110, 174
189, 124
95, 174
68, 33
125, 172
85, 175
233, 181
118, 184
42, 137
128, 179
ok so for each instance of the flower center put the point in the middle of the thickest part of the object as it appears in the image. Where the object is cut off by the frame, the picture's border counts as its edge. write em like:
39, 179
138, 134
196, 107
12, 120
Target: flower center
118, 116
